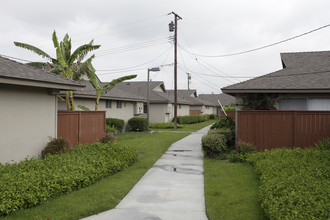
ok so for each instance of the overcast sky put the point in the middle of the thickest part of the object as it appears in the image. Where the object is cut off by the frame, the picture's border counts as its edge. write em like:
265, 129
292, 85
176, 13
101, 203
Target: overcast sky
134, 35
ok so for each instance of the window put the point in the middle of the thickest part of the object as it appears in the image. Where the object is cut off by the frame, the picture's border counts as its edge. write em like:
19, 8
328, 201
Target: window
293, 104
108, 103
179, 106
145, 108
119, 104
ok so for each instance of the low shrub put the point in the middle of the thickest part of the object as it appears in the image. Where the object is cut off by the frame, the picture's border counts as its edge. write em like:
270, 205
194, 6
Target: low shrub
191, 119
226, 122
167, 125
214, 146
33, 181
56, 146
117, 123
294, 184
213, 116
137, 124
240, 154
323, 144
108, 138
230, 141
110, 129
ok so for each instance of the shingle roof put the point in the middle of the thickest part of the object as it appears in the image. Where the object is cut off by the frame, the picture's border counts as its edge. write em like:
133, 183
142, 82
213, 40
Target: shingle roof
140, 88
303, 72
190, 96
12, 70
225, 99
115, 93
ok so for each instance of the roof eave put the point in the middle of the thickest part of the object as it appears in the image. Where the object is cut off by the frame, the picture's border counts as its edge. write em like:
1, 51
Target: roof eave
33, 83
240, 91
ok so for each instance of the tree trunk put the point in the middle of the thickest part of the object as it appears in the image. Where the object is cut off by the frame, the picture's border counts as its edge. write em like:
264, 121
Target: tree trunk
71, 100
67, 100
98, 95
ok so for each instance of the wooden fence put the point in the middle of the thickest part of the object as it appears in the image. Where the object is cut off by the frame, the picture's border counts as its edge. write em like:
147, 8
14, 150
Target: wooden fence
273, 129
229, 113
194, 112
81, 126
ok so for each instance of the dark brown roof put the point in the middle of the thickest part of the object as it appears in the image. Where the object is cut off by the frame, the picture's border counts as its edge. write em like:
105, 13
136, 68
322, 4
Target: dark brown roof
225, 99
303, 72
14, 71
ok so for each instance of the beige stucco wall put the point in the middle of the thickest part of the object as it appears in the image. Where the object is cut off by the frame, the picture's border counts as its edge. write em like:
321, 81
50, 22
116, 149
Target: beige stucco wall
183, 110
128, 110
159, 113
209, 110
28, 117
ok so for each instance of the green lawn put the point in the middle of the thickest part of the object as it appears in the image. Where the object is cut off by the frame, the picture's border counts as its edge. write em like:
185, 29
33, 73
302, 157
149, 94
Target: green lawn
107, 193
231, 191
190, 127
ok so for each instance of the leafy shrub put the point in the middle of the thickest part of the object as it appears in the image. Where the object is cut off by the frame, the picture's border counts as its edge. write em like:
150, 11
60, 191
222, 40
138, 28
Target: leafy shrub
214, 145
137, 124
226, 122
56, 146
231, 107
34, 181
294, 184
230, 141
165, 125
110, 129
240, 154
116, 122
213, 116
323, 144
191, 119
108, 138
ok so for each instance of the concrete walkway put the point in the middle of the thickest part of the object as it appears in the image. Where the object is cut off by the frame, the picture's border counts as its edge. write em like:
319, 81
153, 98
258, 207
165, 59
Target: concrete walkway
173, 189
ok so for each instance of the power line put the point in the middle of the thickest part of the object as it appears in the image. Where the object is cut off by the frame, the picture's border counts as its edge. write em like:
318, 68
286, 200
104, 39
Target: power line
260, 48
130, 68
15, 58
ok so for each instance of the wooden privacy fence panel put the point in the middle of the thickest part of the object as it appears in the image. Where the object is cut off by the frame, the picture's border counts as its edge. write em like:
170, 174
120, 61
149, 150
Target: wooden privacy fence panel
194, 112
273, 129
229, 113
81, 126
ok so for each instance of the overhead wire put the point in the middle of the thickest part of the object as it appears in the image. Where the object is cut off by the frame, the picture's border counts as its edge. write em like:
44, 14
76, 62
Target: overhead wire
262, 47
132, 67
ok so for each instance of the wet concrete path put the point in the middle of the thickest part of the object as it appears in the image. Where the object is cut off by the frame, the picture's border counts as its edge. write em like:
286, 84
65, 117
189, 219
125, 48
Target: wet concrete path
173, 189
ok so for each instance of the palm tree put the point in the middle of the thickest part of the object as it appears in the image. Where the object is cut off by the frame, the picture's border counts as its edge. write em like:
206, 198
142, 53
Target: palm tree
66, 64
95, 82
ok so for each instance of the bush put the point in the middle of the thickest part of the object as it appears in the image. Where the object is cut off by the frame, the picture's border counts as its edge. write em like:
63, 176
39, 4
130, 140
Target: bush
137, 124
117, 123
34, 181
230, 141
226, 122
214, 146
240, 154
191, 119
294, 184
108, 138
165, 125
213, 116
110, 129
56, 146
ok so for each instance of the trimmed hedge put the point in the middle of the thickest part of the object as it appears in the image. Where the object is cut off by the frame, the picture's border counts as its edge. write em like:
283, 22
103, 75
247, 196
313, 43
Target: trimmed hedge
168, 125
34, 181
213, 116
117, 123
191, 119
214, 145
137, 124
294, 184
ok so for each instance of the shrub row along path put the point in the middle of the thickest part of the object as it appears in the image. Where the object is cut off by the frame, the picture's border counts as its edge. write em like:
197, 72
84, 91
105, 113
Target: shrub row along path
172, 189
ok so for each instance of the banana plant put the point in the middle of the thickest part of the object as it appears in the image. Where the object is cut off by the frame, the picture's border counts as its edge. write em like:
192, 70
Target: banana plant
67, 64
95, 82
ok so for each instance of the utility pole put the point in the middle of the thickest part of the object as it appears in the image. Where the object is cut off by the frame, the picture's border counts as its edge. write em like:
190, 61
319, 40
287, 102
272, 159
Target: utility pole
188, 78
176, 18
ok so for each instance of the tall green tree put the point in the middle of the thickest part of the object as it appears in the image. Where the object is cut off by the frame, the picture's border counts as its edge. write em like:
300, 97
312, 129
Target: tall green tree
96, 84
67, 64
